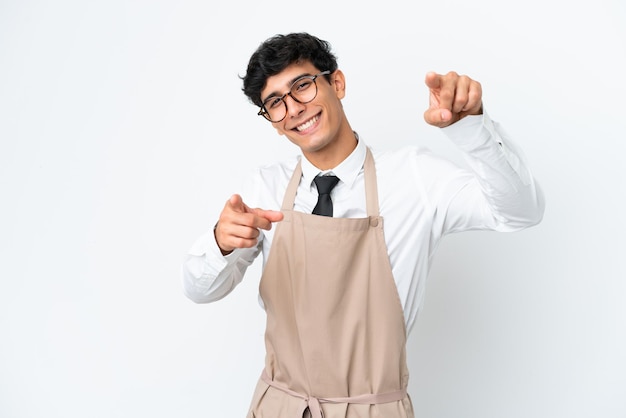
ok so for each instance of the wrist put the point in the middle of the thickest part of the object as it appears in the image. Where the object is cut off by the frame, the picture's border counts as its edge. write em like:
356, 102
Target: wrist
222, 250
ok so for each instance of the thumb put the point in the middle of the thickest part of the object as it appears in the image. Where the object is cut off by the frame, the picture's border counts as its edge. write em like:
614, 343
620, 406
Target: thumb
438, 117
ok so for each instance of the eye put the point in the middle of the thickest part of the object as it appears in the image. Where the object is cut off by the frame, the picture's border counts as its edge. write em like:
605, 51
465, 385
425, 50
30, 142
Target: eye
302, 84
273, 102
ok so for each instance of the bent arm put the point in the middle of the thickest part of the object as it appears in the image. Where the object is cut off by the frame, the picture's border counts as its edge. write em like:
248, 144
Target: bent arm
500, 193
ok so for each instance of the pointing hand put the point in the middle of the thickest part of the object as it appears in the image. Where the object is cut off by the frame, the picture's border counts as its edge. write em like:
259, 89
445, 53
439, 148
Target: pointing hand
452, 97
238, 226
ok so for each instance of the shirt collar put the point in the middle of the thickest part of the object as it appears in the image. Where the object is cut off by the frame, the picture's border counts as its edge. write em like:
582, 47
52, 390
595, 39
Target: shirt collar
347, 170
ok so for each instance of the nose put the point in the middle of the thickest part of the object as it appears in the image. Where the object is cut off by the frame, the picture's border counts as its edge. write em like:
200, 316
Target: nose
294, 108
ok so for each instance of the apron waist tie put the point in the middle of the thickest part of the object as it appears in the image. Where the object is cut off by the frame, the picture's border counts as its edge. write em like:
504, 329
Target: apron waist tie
314, 406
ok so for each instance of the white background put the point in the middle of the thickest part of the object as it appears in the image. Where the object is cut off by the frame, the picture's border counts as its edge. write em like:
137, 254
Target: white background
123, 131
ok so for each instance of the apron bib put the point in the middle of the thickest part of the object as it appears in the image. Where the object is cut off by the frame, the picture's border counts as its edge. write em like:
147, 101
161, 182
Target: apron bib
335, 336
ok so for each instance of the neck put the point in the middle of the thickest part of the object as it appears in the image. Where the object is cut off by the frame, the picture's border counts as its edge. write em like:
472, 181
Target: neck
333, 154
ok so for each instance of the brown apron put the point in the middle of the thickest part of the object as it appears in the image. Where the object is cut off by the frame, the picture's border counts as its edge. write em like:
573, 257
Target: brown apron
335, 337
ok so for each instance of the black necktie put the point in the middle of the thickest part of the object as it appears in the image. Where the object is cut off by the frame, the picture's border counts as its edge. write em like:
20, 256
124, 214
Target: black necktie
324, 185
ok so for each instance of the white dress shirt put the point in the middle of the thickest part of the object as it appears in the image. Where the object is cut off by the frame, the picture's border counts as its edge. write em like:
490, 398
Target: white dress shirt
422, 198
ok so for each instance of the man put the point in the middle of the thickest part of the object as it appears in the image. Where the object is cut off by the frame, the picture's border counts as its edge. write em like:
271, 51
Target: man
344, 268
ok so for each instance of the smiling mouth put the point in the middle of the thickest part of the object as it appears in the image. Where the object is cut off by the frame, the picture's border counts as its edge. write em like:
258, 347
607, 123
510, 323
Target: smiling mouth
308, 123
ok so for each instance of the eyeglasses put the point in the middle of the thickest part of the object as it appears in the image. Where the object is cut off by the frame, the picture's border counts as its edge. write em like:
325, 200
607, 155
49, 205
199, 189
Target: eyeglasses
303, 90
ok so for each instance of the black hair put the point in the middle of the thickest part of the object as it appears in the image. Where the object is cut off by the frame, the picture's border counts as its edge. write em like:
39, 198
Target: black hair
280, 51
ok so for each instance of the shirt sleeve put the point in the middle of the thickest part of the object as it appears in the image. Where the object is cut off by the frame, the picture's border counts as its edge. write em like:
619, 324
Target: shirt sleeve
500, 192
208, 275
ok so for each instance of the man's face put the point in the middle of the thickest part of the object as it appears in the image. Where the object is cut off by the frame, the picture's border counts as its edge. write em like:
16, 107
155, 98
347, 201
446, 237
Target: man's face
315, 125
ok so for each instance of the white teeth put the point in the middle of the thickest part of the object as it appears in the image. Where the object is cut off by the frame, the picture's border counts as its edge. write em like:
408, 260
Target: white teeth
307, 124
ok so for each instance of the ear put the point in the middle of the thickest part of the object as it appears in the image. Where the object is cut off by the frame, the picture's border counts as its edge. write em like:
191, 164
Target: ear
339, 83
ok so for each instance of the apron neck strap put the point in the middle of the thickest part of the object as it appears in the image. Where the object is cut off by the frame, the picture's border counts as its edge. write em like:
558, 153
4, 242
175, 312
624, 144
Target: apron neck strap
371, 186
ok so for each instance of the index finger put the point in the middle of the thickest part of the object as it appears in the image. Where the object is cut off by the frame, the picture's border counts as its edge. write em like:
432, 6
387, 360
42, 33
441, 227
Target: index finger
433, 80
263, 218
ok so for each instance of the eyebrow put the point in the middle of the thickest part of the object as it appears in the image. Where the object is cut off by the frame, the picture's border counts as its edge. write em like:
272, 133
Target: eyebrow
289, 84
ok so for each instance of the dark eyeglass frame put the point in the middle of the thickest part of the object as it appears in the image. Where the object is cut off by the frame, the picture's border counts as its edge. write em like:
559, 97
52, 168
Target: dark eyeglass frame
264, 112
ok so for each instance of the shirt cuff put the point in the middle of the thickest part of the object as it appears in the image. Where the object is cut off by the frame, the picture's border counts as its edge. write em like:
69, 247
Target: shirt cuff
472, 132
206, 246
477, 135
